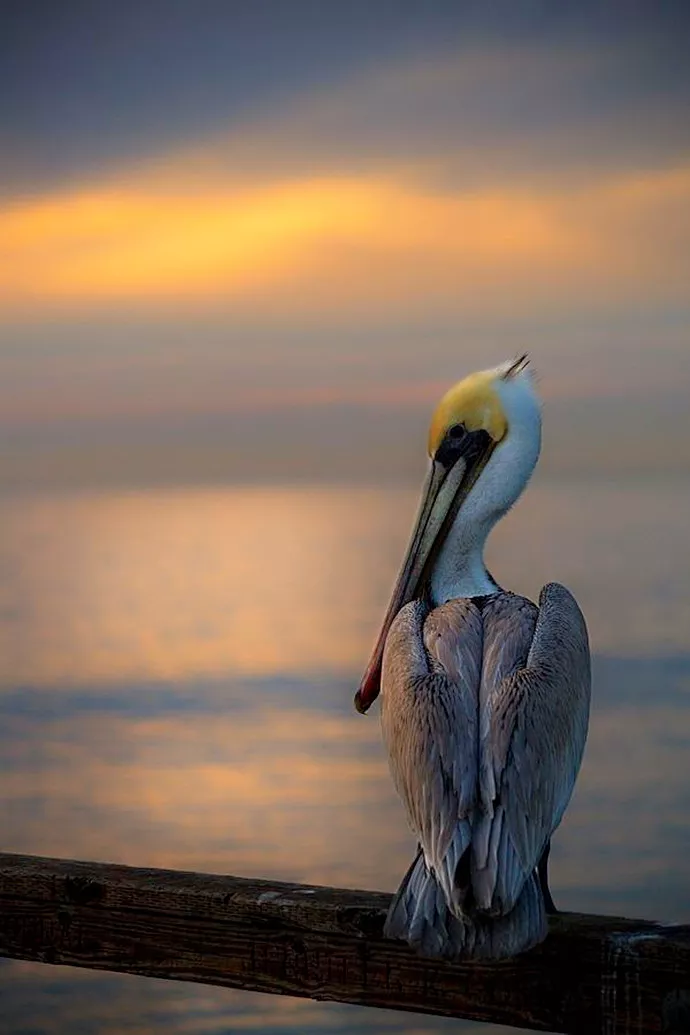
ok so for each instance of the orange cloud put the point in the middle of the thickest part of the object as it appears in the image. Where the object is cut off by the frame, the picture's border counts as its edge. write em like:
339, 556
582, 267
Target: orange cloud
337, 243
125, 243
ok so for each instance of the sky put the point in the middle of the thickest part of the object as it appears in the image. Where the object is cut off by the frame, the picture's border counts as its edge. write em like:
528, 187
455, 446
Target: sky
257, 240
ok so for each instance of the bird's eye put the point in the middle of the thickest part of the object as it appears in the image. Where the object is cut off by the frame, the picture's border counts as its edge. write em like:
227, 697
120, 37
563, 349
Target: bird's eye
456, 432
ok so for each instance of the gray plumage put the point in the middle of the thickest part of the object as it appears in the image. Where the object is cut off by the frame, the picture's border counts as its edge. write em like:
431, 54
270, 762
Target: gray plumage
484, 714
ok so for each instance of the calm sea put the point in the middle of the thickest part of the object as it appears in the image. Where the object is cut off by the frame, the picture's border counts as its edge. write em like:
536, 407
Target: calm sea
176, 678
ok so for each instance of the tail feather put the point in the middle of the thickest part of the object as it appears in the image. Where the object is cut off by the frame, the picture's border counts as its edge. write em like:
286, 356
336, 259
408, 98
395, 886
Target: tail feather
521, 929
419, 914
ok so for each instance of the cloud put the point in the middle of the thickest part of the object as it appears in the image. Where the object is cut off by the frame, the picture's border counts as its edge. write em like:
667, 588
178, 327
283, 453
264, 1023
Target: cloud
367, 244
351, 250
475, 175
515, 93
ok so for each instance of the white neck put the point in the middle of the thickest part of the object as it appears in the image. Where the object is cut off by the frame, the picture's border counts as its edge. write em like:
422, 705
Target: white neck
460, 570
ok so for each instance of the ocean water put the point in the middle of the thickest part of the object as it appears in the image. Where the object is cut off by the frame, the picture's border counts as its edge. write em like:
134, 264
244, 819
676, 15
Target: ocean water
176, 680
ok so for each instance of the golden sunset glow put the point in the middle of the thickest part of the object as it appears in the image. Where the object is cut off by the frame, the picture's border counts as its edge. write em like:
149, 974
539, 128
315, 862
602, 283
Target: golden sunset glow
126, 244
332, 242
260, 582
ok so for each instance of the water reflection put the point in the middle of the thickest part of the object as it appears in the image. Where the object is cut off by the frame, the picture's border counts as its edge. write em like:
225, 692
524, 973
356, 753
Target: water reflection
110, 588
73, 1002
177, 672
173, 585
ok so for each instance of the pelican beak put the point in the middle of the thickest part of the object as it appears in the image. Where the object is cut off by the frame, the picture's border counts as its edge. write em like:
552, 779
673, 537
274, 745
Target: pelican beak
453, 472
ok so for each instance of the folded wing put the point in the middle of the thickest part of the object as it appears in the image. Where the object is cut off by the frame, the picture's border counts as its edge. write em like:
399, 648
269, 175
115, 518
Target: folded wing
430, 695
533, 727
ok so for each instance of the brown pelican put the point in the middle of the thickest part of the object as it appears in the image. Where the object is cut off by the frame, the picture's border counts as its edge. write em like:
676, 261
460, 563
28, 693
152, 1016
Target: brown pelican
485, 697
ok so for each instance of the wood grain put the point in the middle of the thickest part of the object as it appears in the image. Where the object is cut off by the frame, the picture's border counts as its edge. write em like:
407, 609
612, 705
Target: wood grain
593, 974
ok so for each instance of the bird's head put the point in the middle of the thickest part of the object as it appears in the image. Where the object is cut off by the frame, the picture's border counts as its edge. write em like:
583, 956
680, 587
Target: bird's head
483, 444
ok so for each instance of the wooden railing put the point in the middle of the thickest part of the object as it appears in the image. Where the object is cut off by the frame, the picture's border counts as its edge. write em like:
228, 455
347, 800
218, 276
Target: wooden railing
592, 975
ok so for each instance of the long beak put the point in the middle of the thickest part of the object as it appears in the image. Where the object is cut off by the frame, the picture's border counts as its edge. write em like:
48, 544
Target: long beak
447, 484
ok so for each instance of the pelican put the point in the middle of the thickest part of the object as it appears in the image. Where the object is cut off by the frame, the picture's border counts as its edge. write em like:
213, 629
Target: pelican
485, 696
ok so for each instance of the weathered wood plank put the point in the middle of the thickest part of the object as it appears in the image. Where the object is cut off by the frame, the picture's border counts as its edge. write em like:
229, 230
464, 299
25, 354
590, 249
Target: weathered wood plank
593, 974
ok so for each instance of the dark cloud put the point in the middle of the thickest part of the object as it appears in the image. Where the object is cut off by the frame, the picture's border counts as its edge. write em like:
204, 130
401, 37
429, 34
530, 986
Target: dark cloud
87, 83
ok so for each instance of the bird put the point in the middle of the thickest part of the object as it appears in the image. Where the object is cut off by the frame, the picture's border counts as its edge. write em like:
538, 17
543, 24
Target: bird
485, 696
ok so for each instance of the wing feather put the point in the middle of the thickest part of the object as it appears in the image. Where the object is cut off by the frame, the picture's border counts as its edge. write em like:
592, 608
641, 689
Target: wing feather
430, 687
533, 727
